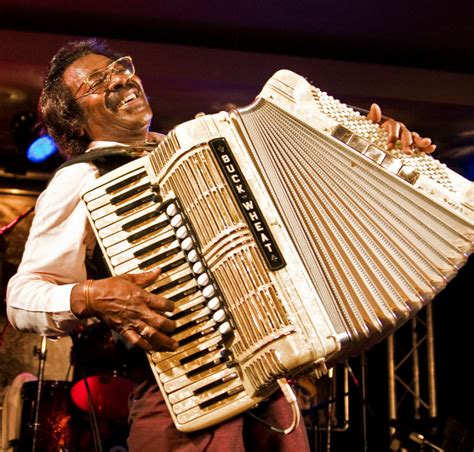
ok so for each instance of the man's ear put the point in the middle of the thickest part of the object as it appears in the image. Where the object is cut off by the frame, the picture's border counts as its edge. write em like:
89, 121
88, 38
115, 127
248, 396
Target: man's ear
80, 132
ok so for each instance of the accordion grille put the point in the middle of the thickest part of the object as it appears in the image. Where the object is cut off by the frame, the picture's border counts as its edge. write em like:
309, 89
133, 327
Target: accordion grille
228, 247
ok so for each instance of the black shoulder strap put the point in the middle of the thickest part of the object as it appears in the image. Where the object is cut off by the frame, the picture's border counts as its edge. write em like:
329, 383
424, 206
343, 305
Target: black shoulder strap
107, 159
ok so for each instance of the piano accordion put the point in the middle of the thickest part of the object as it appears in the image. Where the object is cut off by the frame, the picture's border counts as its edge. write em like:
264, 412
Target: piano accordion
289, 238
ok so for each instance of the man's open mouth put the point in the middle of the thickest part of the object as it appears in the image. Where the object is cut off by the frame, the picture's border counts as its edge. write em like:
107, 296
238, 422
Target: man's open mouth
129, 98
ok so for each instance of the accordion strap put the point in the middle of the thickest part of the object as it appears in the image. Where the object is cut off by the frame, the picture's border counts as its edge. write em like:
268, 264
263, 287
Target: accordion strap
107, 159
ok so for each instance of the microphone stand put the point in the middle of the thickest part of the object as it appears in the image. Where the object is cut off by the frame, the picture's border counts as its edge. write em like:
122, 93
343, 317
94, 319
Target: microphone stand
3, 248
364, 400
42, 360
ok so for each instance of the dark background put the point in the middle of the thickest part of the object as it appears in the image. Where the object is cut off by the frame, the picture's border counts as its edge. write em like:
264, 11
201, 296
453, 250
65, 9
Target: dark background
415, 58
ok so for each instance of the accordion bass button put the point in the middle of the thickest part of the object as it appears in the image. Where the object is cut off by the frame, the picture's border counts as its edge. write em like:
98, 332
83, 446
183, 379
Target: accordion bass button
198, 268
203, 280
171, 210
192, 255
176, 221
219, 316
209, 291
214, 304
187, 244
225, 328
182, 232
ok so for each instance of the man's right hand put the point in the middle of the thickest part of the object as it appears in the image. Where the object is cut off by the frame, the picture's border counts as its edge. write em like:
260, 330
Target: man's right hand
122, 303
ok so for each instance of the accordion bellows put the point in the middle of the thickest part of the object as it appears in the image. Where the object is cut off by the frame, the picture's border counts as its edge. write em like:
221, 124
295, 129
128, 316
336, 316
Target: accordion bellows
289, 238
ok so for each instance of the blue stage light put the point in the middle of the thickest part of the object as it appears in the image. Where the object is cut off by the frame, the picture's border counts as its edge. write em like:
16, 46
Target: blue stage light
41, 149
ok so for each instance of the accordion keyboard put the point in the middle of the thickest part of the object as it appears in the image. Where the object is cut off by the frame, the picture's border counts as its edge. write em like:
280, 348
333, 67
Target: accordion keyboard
139, 232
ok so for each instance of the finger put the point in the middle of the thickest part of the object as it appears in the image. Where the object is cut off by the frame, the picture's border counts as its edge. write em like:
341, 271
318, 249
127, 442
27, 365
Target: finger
159, 303
161, 322
161, 340
406, 139
135, 339
421, 142
375, 113
393, 132
428, 149
157, 338
142, 279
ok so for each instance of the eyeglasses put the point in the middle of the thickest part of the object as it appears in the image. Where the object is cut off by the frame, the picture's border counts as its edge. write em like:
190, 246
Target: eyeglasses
100, 78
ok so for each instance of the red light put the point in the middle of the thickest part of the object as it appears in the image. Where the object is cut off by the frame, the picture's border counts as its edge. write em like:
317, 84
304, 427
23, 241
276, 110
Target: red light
109, 395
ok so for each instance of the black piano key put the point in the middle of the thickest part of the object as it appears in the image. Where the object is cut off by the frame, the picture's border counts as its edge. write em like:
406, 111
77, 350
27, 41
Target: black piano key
186, 312
180, 296
172, 284
144, 232
125, 182
191, 323
216, 383
171, 265
193, 337
207, 366
159, 257
154, 246
133, 205
199, 354
128, 194
220, 397
131, 224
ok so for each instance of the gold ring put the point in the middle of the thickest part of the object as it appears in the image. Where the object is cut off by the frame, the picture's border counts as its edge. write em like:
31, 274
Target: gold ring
146, 331
126, 331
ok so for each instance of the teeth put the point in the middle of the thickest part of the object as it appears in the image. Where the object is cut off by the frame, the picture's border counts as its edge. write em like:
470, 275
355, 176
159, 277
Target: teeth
128, 99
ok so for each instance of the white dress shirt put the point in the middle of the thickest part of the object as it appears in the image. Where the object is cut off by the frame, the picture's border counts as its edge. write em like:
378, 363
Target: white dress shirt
38, 296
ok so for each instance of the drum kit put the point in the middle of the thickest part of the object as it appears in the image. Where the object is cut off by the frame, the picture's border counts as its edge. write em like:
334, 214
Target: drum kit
89, 413
85, 414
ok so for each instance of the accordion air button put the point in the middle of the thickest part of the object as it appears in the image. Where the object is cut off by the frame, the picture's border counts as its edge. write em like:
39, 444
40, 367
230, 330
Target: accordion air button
176, 221
171, 210
209, 291
225, 328
182, 232
219, 316
203, 279
198, 268
192, 255
214, 304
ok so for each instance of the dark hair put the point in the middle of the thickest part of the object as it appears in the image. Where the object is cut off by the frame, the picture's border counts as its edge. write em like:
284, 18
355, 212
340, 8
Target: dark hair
58, 110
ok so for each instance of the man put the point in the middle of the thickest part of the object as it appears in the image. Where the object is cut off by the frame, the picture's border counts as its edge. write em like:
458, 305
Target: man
93, 99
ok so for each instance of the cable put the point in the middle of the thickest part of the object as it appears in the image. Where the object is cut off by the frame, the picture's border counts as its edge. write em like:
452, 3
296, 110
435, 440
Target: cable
92, 410
291, 399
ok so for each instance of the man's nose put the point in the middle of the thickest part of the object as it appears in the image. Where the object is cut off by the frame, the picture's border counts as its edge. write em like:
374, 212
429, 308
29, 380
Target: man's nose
117, 80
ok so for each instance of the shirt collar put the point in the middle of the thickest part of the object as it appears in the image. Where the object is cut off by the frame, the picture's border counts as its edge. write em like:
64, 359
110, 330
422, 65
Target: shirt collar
103, 144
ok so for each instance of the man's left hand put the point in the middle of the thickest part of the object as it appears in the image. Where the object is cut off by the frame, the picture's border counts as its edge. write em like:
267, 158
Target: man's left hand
397, 131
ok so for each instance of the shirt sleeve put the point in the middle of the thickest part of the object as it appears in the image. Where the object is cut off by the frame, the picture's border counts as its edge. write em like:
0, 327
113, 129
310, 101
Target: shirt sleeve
38, 296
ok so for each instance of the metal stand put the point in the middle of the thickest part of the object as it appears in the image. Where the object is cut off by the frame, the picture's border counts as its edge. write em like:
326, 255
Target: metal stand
335, 417
42, 360
405, 375
363, 366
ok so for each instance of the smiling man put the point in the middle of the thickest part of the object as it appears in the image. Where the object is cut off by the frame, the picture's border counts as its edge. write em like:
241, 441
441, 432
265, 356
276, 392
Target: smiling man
92, 101
111, 97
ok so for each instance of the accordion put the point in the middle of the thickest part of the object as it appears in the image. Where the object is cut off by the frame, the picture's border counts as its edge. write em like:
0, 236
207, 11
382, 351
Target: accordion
289, 238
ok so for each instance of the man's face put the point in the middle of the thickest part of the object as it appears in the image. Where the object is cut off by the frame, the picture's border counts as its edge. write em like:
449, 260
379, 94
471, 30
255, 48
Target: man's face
118, 111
